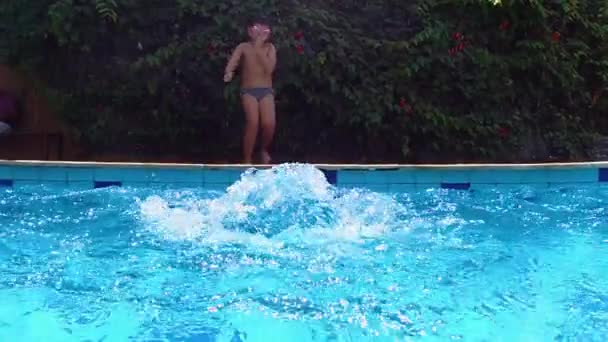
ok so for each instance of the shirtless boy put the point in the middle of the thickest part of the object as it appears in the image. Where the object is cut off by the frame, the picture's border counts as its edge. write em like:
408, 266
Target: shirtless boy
258, 59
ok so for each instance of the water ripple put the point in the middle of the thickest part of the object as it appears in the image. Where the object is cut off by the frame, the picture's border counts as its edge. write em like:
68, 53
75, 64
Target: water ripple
282, 255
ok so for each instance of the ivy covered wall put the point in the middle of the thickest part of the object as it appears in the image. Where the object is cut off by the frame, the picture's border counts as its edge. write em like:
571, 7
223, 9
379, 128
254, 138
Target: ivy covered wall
357, 81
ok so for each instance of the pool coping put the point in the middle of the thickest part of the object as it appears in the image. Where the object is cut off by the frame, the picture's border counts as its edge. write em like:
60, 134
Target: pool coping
591, 164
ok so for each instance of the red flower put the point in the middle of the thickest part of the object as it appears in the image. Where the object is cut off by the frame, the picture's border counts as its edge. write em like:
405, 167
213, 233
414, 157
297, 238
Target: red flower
452, 51
504, 132
300, 49
556, 36
505, 25
404, 105
457, 36
298, 35
460, 47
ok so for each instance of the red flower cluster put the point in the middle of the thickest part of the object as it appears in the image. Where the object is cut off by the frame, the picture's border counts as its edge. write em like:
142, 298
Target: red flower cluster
505, 25
556, 36
299, 36
459, 37
504, 132
405, 106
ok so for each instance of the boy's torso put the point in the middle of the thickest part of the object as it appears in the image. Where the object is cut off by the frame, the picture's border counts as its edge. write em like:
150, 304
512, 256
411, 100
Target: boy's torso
253, 73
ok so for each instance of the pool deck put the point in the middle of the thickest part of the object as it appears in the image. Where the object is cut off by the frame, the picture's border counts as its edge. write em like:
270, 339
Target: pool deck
376, 177
43, 163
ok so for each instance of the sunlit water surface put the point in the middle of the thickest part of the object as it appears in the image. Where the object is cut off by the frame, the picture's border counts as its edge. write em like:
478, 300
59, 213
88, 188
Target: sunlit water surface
283, 256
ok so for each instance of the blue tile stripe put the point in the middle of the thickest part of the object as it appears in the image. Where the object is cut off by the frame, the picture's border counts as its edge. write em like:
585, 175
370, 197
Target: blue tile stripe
388, 179
331, 176
106, 184
456, 186
602, 175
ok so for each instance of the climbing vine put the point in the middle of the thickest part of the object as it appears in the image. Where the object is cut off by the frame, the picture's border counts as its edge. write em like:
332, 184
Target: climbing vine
381, 80
107, 9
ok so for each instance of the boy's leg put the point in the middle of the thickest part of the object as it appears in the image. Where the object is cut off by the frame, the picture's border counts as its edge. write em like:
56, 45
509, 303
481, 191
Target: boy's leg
268, 122
252, 117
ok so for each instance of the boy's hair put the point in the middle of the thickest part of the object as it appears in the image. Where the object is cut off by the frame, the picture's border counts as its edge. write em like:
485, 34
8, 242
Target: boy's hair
259, 20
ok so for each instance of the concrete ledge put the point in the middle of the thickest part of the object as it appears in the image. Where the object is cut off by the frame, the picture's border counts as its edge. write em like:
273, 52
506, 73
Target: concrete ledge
321, 166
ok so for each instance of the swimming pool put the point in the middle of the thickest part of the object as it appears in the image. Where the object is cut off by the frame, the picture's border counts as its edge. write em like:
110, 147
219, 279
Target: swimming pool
282, 255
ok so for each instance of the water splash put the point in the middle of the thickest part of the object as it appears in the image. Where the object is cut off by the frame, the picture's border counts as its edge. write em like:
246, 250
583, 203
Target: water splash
289, 202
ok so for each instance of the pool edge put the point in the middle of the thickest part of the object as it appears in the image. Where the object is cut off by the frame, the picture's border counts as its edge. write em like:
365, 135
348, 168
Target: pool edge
590, 164
377, 177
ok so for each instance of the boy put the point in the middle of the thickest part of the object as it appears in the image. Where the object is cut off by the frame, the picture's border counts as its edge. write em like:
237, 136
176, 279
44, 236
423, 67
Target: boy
258, 58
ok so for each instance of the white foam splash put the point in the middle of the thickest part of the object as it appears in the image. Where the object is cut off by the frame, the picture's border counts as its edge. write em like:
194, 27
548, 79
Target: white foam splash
178, 223
288, 203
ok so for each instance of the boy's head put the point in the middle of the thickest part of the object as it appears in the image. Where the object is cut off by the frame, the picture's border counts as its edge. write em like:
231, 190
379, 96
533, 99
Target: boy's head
257, 28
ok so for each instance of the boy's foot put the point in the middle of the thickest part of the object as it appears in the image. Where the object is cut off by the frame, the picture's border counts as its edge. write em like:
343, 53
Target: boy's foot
266, 159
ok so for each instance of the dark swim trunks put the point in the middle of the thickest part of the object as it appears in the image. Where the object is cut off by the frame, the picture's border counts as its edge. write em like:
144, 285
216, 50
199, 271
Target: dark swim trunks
258, 93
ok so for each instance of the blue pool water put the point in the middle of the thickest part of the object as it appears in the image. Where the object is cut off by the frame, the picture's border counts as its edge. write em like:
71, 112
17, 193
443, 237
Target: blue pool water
283, 256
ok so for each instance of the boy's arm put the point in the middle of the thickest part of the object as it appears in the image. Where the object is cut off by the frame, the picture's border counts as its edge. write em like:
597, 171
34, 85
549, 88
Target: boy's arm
268, 57
234, 60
